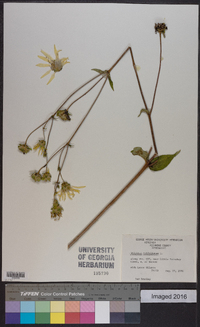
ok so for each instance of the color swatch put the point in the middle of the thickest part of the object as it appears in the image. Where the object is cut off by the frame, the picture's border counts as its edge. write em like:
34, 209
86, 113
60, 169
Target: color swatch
72, 312
72, 303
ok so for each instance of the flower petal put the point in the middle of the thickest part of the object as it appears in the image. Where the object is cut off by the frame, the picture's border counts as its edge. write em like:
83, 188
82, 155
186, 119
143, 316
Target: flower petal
52, 77
43, 65
56, 52
46, 73
36, 147
47, 55
78, 186
43, 58
74, 190
69, 196
64, 61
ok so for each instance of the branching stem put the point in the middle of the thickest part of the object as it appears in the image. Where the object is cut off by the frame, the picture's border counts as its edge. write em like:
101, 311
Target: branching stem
46, 121
85, 93
148, 163
140, 88
68, 142
66, 146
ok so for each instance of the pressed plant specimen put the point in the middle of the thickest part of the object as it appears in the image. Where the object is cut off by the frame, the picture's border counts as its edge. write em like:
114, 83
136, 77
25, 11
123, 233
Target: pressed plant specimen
62, 188
56, 65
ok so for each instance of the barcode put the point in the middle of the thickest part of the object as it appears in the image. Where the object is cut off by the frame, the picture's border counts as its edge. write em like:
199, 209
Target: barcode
15, 274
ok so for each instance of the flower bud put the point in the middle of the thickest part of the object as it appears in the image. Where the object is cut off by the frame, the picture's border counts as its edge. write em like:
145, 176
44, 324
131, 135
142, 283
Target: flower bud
36, 176
46, 177
160, 28
64, 114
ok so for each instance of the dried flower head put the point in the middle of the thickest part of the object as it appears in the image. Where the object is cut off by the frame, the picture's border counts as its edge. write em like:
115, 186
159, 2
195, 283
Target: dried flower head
64, 114
160, 28
56, 65
36, 176
56, 210
41, 147
24, 148
46, 177
69, 190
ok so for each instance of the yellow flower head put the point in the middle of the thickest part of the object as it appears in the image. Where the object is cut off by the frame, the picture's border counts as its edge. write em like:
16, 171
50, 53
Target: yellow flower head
56, 65
68, 189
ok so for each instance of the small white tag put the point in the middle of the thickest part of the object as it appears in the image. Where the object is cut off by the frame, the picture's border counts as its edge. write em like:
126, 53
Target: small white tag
14, 275
168, 296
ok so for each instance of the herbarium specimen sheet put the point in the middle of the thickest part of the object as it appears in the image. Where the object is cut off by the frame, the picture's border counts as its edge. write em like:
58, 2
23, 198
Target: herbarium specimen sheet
100, 142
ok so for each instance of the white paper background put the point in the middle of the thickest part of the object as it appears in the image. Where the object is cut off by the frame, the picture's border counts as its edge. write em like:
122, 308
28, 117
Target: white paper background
94, 36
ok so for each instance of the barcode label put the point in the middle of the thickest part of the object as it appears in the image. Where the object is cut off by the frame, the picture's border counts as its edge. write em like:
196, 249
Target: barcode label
15, 274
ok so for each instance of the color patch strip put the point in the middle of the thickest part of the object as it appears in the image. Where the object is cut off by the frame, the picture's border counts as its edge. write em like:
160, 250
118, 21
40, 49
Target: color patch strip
72, 312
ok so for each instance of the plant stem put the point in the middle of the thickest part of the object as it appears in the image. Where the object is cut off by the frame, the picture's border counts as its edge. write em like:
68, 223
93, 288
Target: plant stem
149, 115
87, 112
118, 60
154, 96
152, 133
158, 73
140, 88
135, 69
138, 80
60, 166
68, 142
146, 165
64, 158
49, 132
85, 93
46, 121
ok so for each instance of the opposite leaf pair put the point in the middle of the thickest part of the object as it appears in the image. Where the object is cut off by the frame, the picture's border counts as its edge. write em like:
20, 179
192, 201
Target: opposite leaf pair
157, 163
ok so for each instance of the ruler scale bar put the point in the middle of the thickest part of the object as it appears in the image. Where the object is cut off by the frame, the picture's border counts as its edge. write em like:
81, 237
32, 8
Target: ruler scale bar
73, 303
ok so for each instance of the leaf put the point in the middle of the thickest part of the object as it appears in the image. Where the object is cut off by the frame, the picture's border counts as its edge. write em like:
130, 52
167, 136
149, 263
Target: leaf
99, 71
143, 110
163, 161
111, 82
106, 73
138, 151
